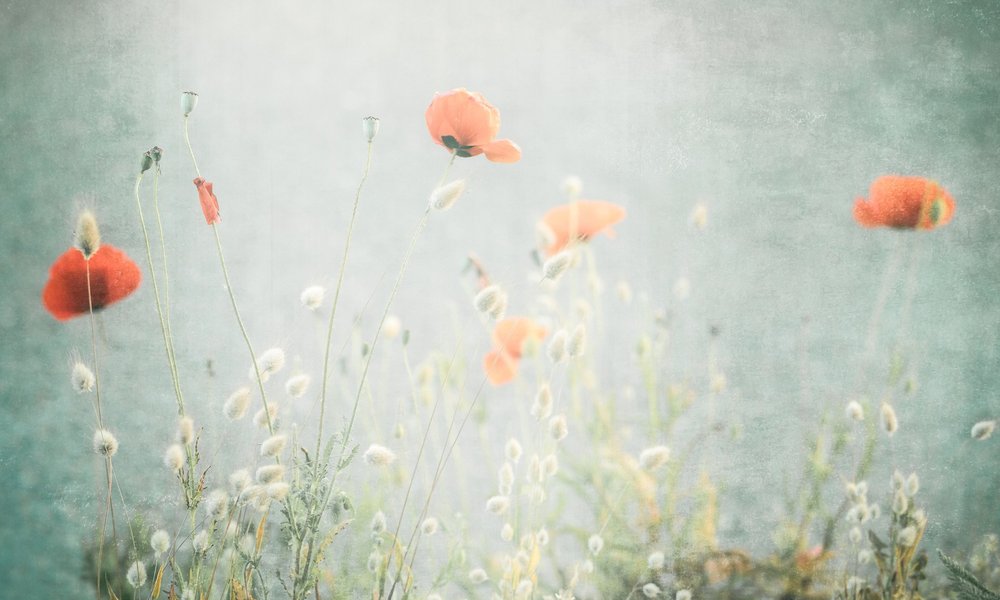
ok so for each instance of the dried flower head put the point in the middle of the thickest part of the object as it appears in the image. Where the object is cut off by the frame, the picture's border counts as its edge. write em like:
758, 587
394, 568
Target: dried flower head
269, 363
558, 428
369, 127
899, 502
445, 196
498, 505
82, 378
855, 411
265, 415
270, 474
200, 542
312, 296
557, 264
550, 466
654, 457
88, 236
379, 456
136, 574
274, 445
651, 590
236, 405
889, 421
541, 408
297, 385
429, 526
159, 542
505, 478
378, 524
239, 481
185, 430
278, 490
595, 544
174, 457
683, 595
105, 443
216, 504
912, 485
487, 298
557, 346
907, 537
655, 561
188, 101
577, 343
512, 450
983, 430
478, 575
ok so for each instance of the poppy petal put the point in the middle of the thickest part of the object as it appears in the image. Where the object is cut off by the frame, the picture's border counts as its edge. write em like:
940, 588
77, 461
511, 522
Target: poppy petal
113, 276
510, 334
586, 218
503, 151
500, 367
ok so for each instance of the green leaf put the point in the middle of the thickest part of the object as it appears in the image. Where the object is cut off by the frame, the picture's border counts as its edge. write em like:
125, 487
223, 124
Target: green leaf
964, 582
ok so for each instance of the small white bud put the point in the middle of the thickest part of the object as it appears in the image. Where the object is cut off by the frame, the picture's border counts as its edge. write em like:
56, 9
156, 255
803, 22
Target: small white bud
498, 505
898, 481
216, 504
445, 196
188, 101
900, 502
136, 574
889, 421
654, 457
500, 308
855, 411
369, 127
159, 542
983, 430
268, 364
82, 378
558, 428
655, 561
550, 465
487, 298
270, 474
379, 456
595, 543
278, 490
651, 590
274, 445
312, 296
429, 526
512, 450
577, 343
236, 405
297, 385
105, 443
185, 430
557, 264
174, 458
391, 327
507, 532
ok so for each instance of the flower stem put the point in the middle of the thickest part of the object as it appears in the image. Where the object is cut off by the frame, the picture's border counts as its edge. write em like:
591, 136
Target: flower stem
187, 140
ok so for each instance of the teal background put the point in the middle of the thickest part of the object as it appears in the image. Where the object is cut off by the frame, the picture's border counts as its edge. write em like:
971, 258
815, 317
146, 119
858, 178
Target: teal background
776, 115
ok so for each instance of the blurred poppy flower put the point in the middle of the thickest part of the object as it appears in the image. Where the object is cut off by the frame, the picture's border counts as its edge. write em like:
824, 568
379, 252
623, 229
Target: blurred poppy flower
465, 123
509, 337
113, 276
904, 203
209, 203
579, 220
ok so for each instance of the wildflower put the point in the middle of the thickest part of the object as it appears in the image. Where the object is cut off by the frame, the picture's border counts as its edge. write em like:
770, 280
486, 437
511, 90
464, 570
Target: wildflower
577, 342
595, 543
889, 421
557, 428
82, 378
509, 338
209, 203
159, 541
113, 277
312, 297
557, 346
273, 445
466, 124
624, 291
557, 264
429, 526
105, 443
683, 595
912, 485
185, 430
267, 414
586, 219
379, 456
487, 298
297, 385
391, 327
899, 502
655, 561
512, 450
541, 408
270, 473
236, 405
216, 504
369, 127
654, 457
651, 590
278, 490
268, 363
550, 465
905, 203
174, 458
855, 411
983, 430
88, 236
907, 537
188, 101
477, 576
200, 542
498, 504
239, 481
445, 196
136, 574
378, 524
507, 532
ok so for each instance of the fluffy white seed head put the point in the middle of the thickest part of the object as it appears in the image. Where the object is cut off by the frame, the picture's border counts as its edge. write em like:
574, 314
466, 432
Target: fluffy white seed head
429, 526
270, 474
274, 445
899, 502
595, 544
683, 595
239, 481
983, 430
278, 490
498, 505
505, 478
174, 457
374, 561
558, 428
477, 576
897, 481
507, 532
572, 186
105, 443
200, 542
378, 524
297, 385
500, 308
185, 430
651, 590
237, 403
577, 343
216, 504
654, 457
550, 466
655, 560
541, 408
543, 537
160, 542
889, 421
855, 411
512, 450
907, 537
268, 363
912, 485
855, 535
699, 217
82, 378
379, 456
312, 297
260, 418
557, 264
487, 298
88, 235
865, 556
391, 327
557, 346
445, 196
136, 574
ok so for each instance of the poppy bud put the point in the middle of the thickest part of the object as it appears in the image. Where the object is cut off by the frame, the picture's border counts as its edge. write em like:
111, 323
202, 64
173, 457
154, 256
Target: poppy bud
147, 162
188, 101
157, 153
88, 236
369, 125
445, 196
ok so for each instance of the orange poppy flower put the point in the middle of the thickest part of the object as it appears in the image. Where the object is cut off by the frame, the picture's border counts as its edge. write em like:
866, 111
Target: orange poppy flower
113, 276
579, 220
509, 337
904, 203
465, 123
209, 203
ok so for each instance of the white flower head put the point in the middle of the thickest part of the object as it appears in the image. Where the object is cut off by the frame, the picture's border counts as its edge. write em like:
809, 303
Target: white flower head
478, 575
655, 561
654, 457
595, 544
445, 196
264, 416
512, 450
651, 590
174, 458
378, 524
699, 217
683, 595
557, 346
889, 421
136, 574
239, 481
391, 327
236, 405
541, 408
557, 264
498, 505
159, 542
105, 443
297, 385
558, 428
855, 411
507, 532
487, 298
82, 378
312, 297
270, 474
268, 363
379, 456
185, 430
216, 504
200, 542
907, 537
274, 445
429, 526
983, 430
577, 343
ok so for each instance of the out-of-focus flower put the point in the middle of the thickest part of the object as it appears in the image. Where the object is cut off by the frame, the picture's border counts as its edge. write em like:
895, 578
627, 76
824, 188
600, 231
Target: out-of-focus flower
465, 123
578, 221
113, 276
905, 203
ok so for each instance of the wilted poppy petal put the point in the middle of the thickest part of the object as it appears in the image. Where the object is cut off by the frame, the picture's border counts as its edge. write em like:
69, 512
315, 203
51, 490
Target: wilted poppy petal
500, 368
113, 276
209, 203
504, 151
582, 219
510, 334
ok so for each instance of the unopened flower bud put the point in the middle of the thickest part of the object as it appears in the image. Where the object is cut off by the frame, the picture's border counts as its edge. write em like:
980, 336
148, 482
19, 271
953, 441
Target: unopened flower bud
445, 196
369, 126
188, 101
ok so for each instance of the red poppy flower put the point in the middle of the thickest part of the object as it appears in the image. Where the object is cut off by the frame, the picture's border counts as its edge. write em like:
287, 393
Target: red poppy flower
581, 220
509, 337
113, 276
904, 203
209, 203
467, 124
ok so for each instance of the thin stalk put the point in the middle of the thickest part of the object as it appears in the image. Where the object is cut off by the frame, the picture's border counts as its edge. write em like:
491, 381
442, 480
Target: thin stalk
166, 273
187, 140
100, 423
